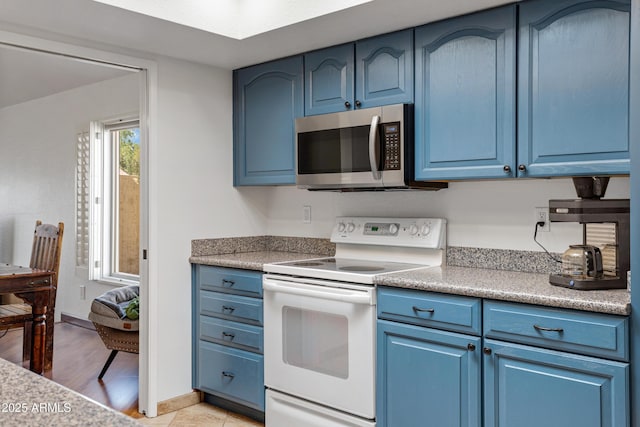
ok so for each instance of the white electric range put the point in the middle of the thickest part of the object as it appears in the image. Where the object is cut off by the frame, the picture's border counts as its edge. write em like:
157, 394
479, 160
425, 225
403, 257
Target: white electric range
320, 316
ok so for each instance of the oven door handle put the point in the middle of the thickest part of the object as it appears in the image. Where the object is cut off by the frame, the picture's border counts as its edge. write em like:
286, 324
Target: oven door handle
374, 148
345, 295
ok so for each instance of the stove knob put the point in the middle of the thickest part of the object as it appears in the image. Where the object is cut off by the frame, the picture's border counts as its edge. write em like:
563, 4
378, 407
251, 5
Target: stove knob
393, 228
413, 230
341, 227
350, 227
426, 229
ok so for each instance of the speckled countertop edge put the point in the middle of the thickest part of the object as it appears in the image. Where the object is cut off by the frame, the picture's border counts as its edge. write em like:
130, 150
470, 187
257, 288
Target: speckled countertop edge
31, 400
251, 260
529, 288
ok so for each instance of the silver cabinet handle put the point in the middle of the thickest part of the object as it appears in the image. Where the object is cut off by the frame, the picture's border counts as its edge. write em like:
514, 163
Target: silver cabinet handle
228, 335
374, 147
227, 308
228, 282
228, 374
543, 328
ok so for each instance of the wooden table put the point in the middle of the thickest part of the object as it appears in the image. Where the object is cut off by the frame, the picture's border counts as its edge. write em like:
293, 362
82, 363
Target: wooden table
34, 287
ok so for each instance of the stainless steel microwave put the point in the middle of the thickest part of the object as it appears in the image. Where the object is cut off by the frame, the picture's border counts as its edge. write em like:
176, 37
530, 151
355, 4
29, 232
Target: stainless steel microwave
366, 149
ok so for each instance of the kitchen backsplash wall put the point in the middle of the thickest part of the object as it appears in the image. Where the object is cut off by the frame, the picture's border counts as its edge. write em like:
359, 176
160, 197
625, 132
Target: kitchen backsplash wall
497, 214
503, 259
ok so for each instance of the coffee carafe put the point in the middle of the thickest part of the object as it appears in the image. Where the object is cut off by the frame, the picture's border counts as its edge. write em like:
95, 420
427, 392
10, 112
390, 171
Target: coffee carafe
582, 262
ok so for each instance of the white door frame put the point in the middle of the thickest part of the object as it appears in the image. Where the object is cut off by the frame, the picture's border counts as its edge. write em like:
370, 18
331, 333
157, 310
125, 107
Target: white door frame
148, 74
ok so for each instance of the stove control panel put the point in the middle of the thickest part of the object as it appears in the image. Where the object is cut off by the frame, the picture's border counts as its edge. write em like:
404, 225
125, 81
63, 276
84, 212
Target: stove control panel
407, 232
381, 229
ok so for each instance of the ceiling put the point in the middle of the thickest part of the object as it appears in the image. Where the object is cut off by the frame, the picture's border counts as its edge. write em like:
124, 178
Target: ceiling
238, 19
27, 75
252, 32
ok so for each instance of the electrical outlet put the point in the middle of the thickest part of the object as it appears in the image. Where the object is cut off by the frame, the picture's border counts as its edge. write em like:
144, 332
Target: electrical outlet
542, 215
306, 214
83, 292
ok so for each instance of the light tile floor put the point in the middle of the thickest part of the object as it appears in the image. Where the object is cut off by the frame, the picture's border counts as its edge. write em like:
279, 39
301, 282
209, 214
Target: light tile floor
202, 414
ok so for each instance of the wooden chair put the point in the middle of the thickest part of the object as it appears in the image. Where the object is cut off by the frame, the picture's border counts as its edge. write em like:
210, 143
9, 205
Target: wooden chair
45, 255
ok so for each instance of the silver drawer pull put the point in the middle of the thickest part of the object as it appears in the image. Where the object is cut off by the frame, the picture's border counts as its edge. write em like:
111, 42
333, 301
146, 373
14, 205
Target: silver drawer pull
229, 375
423, 310
227, 282
543, 328
226, 308
228, 335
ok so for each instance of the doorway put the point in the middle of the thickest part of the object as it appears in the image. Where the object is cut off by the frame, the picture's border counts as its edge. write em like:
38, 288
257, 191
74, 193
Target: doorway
49, 93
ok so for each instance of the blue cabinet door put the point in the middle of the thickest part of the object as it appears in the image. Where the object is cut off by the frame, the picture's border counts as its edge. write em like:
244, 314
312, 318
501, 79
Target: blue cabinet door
267, 99
465, 97
384, 70
427, 377
328, 80
373, 72
573, 87
531, 387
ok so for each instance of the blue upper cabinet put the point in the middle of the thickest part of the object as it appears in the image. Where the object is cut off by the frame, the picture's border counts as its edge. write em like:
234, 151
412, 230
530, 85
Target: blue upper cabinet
573, 87
384, 70
329, 77
267, 99
465, 96
372, 72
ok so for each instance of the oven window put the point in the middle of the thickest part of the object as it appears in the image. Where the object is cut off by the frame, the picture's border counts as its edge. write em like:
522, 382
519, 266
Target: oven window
316, 341
334, 151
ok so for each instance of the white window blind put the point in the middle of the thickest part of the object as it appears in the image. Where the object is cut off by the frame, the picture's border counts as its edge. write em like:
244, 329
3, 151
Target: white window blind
82, 199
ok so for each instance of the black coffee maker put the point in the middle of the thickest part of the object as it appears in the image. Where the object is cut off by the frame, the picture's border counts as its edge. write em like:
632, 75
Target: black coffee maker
601, 261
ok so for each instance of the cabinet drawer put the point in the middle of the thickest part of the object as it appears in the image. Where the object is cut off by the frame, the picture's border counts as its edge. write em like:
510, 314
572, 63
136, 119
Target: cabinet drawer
575, 331
226, 332
448, 312
231, 373
229, 280
231, 307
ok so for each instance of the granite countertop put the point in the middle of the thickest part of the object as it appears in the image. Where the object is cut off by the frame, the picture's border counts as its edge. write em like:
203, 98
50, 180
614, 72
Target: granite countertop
27, 399
251, 260
466, 272
529, 288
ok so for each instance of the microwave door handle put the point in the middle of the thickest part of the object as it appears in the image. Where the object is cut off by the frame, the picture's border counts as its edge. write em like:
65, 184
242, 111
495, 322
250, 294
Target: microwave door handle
374, 147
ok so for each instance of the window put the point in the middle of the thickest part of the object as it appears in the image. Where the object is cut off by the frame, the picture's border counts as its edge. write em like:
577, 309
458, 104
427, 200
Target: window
114, 207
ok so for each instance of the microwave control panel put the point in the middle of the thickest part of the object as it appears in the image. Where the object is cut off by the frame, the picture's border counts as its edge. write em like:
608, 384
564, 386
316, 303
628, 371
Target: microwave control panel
391, 143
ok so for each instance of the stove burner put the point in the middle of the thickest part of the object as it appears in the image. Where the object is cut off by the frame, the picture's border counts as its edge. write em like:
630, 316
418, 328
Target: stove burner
360, 268
307, 264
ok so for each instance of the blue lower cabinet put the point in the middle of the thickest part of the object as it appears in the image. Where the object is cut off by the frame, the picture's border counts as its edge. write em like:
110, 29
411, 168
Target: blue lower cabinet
530, 387
234, 374
227, 342
427, 377
232, 334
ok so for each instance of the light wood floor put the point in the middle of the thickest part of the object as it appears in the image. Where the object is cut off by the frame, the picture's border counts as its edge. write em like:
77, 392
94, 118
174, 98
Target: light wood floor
78, 357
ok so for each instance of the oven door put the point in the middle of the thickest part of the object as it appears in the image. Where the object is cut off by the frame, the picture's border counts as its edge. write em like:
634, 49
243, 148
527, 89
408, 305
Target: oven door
320, 342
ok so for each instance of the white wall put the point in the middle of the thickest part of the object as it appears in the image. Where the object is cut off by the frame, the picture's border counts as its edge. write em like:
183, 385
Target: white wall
485, 214
37, 175
193, 198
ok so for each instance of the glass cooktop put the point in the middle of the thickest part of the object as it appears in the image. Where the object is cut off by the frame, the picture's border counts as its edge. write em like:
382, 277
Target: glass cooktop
343, 269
